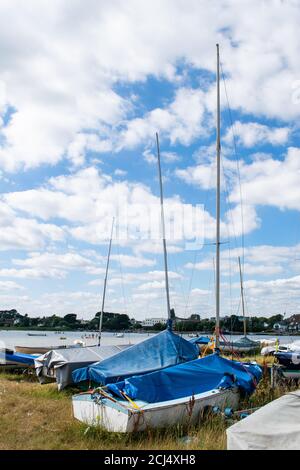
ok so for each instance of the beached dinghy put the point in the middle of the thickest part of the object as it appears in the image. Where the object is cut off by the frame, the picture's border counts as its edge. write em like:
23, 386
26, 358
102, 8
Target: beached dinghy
275, 426
162, 350
41, 349
290, 362
12, 359
179, 394
58, 364
243, 345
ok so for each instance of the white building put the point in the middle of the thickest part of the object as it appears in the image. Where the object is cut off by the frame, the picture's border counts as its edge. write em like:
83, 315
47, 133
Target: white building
153, 321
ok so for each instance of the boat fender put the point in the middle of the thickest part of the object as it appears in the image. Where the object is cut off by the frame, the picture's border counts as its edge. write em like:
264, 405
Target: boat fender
228, 412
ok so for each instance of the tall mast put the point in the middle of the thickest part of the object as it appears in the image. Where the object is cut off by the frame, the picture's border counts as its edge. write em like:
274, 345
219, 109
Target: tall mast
105, 282
169, 324
218, 205
242, 294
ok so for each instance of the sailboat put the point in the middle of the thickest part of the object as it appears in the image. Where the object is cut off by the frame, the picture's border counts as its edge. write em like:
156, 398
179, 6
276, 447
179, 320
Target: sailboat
244, 345
57, 364
174, 395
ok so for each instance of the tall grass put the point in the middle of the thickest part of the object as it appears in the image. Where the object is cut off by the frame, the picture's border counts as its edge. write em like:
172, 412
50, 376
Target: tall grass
39, 417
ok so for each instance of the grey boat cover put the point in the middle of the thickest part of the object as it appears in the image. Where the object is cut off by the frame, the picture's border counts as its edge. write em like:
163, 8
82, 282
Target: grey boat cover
58, 364
275, 426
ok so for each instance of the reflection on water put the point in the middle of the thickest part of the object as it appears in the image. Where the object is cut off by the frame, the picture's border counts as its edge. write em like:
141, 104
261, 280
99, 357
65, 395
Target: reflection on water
12, 338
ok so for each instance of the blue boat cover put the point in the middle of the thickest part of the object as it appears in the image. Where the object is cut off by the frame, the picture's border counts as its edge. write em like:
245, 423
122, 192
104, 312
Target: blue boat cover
16, 357
162, 350
200, 340
186, 380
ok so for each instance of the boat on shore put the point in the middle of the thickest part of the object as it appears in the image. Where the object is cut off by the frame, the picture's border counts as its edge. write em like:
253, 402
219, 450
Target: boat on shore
57, 365
274, 426
10, 359
42, 349
243, 345
179, 394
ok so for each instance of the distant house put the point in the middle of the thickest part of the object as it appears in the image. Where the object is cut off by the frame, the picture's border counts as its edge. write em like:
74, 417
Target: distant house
149, 322
294, 323
279, 327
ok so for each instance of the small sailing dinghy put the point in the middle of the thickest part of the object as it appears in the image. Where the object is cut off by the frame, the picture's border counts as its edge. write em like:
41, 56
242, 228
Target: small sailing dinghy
178, 394
58, 364
275, 426
13, 359
290, 362
162, 350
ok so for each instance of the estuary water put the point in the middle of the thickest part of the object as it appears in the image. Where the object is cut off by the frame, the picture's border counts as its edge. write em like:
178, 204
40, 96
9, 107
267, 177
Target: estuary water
52, 339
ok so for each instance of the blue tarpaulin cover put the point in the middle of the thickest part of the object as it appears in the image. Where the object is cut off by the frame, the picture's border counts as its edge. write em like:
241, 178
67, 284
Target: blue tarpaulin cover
185, 380
157, 352
200, 340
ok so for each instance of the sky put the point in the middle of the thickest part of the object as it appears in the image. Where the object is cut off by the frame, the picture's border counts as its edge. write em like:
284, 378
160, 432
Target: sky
84, 87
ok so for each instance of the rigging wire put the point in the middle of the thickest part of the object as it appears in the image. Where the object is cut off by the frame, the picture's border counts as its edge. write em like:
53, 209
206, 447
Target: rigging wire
237, 163
122, 281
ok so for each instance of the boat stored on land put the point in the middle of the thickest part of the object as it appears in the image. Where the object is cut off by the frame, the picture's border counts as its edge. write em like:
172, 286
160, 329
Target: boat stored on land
10, 358
243, 345
58, 364
162, 350
178, 394
42, 349
275, 426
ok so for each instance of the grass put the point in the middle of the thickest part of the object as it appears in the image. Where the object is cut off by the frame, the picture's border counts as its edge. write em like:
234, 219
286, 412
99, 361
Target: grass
39, 417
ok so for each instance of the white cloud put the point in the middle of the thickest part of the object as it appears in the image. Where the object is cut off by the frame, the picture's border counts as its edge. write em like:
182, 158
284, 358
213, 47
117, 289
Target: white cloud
59, 73
133, 261
10, 286
251, 134
181, 121
271, 182
27, 234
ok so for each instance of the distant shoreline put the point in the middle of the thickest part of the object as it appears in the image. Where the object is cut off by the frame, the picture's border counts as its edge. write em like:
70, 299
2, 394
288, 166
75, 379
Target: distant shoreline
207, 333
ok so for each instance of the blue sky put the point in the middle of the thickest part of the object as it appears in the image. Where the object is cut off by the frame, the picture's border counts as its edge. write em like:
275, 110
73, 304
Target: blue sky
83, 91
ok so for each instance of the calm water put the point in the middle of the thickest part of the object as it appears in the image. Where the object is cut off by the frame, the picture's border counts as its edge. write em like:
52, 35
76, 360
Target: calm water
12, 338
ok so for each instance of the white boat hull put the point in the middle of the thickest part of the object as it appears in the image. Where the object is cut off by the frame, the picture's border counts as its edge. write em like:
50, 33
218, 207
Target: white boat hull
120, 416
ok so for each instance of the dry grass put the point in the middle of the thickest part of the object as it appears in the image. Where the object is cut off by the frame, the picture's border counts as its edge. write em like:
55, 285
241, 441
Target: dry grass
39, 417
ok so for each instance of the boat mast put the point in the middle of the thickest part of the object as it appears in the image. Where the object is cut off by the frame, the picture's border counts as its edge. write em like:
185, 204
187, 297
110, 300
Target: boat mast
242, 294
169, 324
105, 282
218, 206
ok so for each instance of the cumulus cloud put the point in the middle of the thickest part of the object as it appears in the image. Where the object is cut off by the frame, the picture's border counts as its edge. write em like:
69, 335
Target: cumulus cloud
58, 75
251, 134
